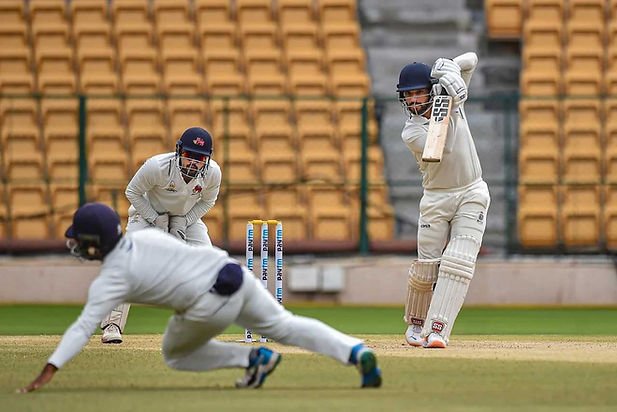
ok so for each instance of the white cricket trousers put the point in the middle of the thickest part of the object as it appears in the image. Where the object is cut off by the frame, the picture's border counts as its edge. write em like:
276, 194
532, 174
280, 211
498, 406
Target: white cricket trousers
446, 214
188, 342
196, 234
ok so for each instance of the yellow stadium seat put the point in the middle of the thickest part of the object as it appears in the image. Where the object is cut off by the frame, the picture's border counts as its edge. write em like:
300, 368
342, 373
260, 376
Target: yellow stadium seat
113, 196
93, 40
277, 167
181, 73
218, 36
380, 214
610, 217
375, 165
232, 117
548, 11
264, 72
185, 113
582, 145
334, 12
271, 115
341, 38
146, 125
127, 13
589, 12
12, 13
223, 69
539, 140
288, 204
48, 13
212, 12
172, 13
23, 159
134, 39
581, 216
29, 210
295, 12
139, 73
64, 201
244, 204
542, 35
176, 38
538, 216
15, 72
253, 12
97, 74
503, 18
61, 136
300, 39
330, 213
610, 151
55, 72
259, 37
89, 13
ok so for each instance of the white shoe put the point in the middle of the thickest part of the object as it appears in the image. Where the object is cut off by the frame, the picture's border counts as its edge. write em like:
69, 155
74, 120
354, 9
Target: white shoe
412, 335
111, 334
435, 341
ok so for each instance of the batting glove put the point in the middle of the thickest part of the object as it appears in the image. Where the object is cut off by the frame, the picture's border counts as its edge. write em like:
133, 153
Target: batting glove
455, 86
162, 222
177, 227
443, 66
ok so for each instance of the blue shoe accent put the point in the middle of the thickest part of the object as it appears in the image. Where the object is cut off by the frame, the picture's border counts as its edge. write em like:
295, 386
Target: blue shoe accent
262, 362
353, 357
371, 374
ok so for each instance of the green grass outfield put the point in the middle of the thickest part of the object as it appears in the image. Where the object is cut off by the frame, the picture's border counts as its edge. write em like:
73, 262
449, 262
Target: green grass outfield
499, 359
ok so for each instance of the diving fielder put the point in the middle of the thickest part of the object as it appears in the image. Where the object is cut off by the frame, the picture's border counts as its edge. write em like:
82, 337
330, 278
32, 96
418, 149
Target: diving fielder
172, 192
208, 291
453, 207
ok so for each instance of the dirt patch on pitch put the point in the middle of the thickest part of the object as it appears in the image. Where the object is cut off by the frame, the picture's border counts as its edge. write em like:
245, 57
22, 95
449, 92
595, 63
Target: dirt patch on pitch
600, 349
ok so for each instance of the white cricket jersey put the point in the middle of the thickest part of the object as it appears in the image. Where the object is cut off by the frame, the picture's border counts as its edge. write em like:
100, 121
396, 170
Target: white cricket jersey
158, 187
459, 166
147, 266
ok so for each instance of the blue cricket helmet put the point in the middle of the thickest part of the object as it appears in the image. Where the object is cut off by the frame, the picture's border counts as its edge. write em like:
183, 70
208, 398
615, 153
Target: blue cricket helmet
414, 76
95, 231
195, 143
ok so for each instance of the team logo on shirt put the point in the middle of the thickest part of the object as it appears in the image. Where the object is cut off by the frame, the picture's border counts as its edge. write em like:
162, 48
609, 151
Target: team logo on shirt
171, 187
480, 217
199, 141
196, 189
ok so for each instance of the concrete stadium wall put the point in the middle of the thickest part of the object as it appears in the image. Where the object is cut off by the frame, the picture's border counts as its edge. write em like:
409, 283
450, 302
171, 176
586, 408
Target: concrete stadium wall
374, 280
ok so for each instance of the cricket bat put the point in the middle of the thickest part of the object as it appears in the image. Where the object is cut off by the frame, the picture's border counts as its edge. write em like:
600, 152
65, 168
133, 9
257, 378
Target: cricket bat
437, 129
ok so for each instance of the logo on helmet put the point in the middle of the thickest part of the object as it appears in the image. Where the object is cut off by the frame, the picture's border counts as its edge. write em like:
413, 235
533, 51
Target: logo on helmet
199, 141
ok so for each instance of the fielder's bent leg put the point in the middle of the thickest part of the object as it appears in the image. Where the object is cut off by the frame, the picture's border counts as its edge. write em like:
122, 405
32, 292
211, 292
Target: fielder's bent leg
197, 234
263, 314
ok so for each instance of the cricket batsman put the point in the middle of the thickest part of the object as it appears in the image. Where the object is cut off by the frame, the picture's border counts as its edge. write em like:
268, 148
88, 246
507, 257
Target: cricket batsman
454, 204
208, 291
171, 192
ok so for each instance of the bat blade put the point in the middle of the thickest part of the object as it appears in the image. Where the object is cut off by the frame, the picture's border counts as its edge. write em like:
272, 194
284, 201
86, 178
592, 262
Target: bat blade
437, 129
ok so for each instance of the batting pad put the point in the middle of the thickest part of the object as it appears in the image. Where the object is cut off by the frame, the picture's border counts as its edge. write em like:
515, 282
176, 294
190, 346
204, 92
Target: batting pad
455, 272
118, 316
422, 276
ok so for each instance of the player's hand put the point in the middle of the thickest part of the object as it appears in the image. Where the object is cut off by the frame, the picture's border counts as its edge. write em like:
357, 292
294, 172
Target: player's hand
177, 227
162, 222
45, 376
443, 66
455, 86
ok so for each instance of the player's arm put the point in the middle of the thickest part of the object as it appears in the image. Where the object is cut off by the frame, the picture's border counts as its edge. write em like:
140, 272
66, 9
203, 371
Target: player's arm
208, 198
146, 178
105, 293
468, 63
414, 136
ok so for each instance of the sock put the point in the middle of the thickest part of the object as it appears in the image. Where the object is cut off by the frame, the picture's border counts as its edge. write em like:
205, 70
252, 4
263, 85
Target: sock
355, 353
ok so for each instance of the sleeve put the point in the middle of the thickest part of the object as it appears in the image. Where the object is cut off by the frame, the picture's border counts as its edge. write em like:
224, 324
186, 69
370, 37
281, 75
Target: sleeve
414, 136
106, 292
145, 179
467, 62
208, 198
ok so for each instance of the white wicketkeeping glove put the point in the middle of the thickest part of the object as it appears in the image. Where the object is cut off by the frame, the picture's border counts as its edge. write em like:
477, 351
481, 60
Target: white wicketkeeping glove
455, 86
162, 222
177, 227
443, 66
